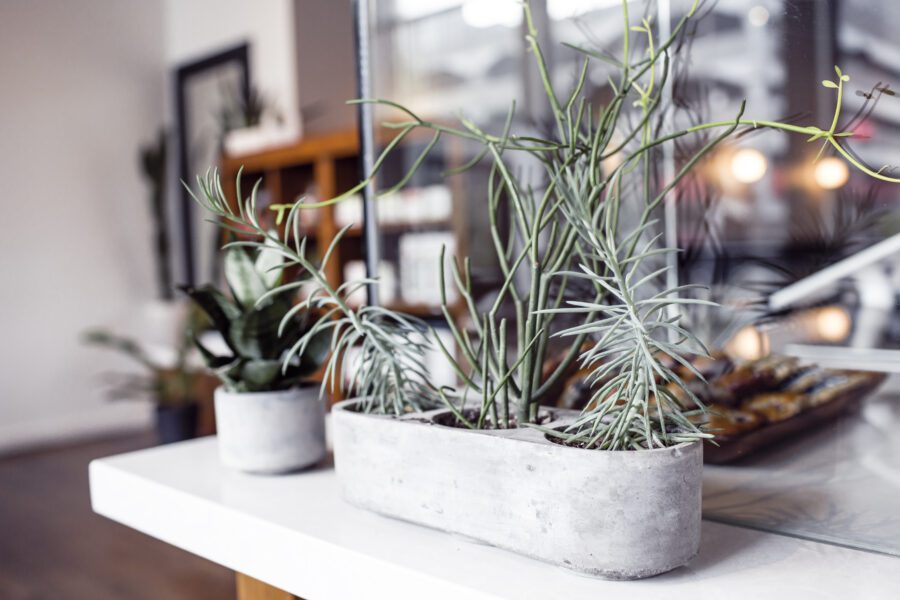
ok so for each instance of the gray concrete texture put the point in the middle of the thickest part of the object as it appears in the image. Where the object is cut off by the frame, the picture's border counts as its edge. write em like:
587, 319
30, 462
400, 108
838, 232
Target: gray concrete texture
617, 515
270, 432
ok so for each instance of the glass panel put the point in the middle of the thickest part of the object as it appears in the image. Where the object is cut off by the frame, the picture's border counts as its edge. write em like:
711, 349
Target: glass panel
839, 483
438, 58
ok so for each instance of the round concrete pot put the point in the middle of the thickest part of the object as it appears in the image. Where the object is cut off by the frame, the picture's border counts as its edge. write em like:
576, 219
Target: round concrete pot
270, 432
617, 515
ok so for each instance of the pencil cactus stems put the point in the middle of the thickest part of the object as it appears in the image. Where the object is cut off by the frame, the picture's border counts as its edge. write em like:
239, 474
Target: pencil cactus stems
388, 372
258, 324
586, 222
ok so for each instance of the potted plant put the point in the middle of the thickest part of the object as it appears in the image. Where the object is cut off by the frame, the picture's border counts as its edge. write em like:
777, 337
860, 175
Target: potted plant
172, 387
269, 419
613, 490
252, 122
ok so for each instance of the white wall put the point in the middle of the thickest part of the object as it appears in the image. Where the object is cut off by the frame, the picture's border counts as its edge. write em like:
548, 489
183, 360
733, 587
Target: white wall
197, 28
81, 85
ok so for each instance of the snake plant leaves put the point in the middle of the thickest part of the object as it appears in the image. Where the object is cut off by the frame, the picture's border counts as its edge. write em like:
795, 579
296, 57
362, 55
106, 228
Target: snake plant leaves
255, 334
220, 310
263, 375
212, 361
260, 353
246, 283
226, 368
269, 264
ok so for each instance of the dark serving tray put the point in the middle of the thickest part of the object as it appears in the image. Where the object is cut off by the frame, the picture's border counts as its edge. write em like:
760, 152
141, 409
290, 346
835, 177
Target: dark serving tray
726, 450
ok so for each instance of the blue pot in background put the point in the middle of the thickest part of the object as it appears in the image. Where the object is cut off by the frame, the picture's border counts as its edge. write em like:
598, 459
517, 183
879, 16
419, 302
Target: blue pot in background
176, 423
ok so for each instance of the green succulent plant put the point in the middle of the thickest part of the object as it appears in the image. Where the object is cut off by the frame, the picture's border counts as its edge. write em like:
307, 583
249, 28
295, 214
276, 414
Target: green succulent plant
259, 324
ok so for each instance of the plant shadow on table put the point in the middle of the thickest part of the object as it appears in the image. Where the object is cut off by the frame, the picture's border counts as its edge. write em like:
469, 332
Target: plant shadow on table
325, 464
745, 501
719, 544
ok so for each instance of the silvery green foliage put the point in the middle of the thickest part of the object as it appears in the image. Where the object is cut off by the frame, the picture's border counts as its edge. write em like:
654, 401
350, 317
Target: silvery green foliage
635, 344
388, 373
576, 215
591, 220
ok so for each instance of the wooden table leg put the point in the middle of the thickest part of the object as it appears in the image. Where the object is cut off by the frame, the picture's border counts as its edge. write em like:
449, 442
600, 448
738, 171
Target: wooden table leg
254, 589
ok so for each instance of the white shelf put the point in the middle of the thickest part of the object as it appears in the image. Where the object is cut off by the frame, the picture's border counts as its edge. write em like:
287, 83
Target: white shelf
295, 533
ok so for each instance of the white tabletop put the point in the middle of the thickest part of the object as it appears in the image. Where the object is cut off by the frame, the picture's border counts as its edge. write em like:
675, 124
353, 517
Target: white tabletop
295, 533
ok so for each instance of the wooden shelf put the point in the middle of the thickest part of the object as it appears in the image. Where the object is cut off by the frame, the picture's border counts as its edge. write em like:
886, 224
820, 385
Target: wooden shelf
424, 311
308, 151
416, 310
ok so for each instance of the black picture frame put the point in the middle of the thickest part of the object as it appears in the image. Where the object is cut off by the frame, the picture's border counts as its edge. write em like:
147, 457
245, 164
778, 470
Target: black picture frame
229, 63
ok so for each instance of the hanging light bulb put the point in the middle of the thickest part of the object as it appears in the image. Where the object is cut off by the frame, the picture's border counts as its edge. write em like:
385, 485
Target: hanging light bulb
831, 173
749, 343
748, 165
833, 323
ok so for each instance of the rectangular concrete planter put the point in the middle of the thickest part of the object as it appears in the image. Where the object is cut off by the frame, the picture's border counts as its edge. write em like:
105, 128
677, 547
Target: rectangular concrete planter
618, 515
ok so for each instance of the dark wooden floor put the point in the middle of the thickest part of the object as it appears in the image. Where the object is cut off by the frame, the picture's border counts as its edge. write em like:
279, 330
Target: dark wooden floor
53, 547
